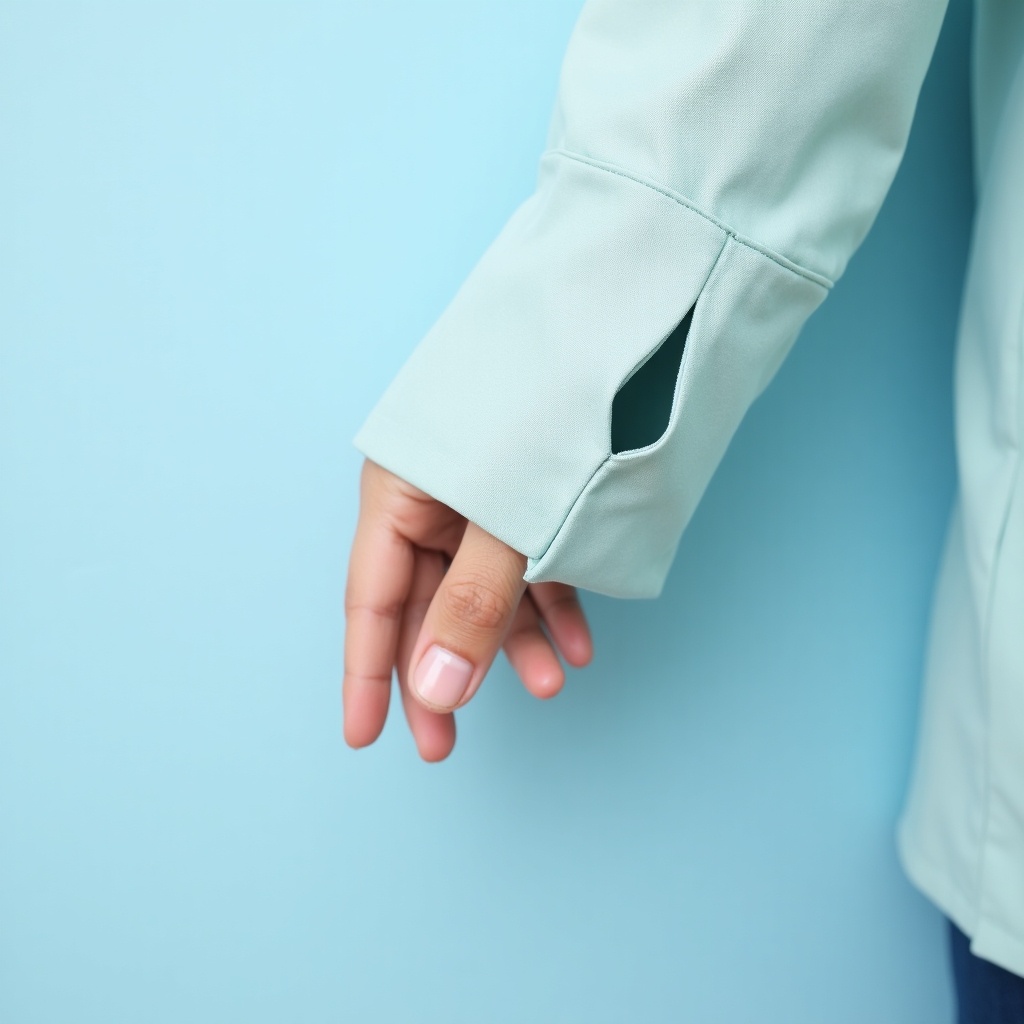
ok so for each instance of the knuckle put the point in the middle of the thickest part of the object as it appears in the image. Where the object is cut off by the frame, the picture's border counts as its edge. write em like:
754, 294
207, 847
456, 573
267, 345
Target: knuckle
476, 603
407, 517
390, 611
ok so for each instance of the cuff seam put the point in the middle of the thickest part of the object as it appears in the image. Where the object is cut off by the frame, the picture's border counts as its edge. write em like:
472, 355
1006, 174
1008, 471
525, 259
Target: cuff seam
679, 198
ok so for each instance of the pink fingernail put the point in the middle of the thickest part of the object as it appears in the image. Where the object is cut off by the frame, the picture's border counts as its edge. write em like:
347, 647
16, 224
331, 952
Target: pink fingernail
441, 678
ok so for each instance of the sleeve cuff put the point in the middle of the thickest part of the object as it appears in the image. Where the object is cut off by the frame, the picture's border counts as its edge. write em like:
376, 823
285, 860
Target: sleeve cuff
503, 411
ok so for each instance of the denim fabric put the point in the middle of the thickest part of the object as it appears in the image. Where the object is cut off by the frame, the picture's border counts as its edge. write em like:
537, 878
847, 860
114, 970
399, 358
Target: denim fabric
986, 993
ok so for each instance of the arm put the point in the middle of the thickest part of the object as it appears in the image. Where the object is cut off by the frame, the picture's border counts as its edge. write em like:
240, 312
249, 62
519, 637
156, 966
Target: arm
724, 157
710, 168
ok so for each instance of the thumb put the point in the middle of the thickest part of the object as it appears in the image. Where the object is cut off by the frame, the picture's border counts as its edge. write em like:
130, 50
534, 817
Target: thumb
467, 620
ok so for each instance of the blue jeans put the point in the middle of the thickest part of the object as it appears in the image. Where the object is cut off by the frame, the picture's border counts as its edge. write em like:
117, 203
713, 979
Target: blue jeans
985, 993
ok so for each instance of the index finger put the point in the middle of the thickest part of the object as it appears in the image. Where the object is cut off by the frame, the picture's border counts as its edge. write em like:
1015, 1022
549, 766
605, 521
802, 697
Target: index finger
380, 572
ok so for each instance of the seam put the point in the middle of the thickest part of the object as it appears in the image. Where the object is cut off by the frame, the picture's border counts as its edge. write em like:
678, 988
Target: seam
982, 869
554, 536
986, 644
1020, 373
679, 198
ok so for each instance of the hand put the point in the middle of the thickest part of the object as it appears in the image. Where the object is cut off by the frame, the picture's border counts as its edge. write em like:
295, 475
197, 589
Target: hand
435, 597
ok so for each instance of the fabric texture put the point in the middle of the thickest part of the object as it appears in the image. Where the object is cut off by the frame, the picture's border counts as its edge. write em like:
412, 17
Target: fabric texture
723, 160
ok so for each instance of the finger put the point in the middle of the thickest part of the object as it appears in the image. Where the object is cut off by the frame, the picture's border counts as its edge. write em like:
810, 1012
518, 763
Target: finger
563, 615
467, 620
379, 576
530, 653
433, 733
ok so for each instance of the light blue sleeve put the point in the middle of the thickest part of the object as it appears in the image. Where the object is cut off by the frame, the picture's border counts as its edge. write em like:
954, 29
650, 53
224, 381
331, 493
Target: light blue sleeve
724, 158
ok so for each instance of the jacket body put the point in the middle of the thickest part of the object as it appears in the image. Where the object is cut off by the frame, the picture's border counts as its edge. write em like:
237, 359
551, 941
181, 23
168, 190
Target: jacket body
961, 836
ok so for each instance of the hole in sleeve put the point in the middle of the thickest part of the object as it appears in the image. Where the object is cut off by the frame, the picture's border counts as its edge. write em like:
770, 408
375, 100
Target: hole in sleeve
642, 406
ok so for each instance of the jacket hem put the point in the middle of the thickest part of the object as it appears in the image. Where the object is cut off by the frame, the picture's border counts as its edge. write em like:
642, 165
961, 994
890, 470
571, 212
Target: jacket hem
988, 940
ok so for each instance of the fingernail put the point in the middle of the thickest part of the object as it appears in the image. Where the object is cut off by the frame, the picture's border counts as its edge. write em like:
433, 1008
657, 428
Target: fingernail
441, 678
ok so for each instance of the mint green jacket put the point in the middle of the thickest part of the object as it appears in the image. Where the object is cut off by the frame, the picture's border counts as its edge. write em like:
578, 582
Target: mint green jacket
710, 168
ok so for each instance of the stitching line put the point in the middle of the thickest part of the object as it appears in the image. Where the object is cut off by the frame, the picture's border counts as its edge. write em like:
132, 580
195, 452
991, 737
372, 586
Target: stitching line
590, 479
677, 197
983, 871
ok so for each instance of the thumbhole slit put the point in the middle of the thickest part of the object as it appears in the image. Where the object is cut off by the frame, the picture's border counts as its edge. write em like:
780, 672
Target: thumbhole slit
643, 405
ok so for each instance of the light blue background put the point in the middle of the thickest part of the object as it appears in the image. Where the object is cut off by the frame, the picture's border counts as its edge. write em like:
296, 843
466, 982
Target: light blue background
222, 229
